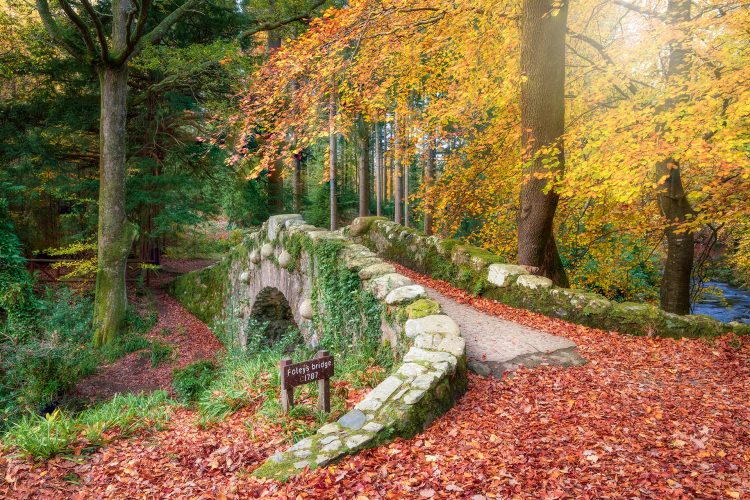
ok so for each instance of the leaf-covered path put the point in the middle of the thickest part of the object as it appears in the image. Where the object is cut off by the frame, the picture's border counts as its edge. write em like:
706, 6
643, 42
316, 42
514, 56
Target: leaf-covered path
190, 341
495, 345
644, 417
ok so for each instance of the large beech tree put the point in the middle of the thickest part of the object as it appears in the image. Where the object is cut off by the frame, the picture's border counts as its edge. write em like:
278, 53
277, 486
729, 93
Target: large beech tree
109, 53
673, 200
543, 26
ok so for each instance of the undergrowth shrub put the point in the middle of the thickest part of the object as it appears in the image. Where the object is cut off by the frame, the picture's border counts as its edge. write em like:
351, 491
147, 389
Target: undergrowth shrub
190, 381
37, 369
43, 437
159, 353
17, 301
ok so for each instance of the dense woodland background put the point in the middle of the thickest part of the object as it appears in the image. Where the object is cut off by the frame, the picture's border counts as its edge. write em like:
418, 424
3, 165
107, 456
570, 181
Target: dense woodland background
604, 144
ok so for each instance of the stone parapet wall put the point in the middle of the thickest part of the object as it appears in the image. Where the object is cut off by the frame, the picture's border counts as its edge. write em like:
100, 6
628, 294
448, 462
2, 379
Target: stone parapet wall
289, 255
483, 274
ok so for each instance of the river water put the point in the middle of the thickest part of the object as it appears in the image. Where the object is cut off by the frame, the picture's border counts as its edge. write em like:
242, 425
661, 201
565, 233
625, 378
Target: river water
732, 305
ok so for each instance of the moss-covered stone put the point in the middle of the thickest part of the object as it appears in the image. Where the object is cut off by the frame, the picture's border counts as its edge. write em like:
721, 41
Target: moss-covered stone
361, 225
203, 292
421, 308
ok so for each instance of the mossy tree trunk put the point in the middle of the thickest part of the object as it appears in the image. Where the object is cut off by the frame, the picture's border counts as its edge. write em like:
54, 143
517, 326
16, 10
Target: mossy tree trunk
543, 27
116, 234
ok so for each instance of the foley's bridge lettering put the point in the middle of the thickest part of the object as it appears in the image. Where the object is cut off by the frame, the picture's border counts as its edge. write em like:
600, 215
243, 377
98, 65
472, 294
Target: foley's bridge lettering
318, 369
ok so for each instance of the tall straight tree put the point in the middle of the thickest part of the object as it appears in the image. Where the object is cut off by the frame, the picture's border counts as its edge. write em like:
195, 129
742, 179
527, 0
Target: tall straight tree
363, 165
398, 195
378, 160
79, 28
673, 201
429, 179
332, 140
276, 174
543, 26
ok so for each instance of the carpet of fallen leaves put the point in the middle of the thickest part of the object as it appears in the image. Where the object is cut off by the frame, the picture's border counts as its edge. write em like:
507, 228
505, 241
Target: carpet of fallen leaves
191, 341
645, 417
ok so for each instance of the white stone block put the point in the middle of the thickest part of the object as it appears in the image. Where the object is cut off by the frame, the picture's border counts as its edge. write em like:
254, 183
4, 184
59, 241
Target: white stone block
501, 274
436, 323
405, 294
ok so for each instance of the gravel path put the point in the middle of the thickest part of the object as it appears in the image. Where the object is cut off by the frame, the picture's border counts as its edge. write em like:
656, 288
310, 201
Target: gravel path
495, 345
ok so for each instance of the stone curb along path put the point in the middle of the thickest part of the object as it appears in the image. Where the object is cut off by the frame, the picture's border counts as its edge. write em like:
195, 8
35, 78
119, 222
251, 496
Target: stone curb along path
484, 274
432, 373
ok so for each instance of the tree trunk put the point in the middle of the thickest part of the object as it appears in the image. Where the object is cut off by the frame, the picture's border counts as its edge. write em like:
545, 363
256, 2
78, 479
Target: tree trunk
398, 194
332, 158
276, 174
378, 160
363, 166
678, 266
297, 182
429, 178
543, 28
116, 234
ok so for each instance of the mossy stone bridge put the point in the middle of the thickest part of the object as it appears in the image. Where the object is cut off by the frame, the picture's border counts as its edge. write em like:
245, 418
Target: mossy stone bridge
337, 284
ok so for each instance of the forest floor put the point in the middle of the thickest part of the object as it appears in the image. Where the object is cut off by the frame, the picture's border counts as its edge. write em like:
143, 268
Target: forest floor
188, 338
645, 417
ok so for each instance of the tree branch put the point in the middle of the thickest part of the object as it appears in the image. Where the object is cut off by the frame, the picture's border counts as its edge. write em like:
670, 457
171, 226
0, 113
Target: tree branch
99, 29
635, 8
155, 34
268, 26
42, 6
80, 25
603, 54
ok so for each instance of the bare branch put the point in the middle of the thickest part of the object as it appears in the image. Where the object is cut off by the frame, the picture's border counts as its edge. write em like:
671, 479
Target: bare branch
635, 8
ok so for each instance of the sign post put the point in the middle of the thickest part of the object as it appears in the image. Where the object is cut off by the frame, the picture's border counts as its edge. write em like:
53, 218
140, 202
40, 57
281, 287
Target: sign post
319, 369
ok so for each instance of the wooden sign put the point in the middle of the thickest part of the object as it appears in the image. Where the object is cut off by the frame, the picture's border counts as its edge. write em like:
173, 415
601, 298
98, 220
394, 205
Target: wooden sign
319, 369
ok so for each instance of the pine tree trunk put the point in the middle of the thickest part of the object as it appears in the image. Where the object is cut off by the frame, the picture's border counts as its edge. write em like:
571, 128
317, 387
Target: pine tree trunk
297, 182
429, 178
398, 194
543, 27
378, 160
332, 158
363, 167
673, 202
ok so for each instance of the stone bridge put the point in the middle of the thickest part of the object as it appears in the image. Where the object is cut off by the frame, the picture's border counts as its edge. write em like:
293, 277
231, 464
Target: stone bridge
329, 285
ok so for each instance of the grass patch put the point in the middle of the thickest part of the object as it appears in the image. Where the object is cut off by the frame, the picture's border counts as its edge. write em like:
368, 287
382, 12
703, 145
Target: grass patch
60, 433
190, 381
159, 353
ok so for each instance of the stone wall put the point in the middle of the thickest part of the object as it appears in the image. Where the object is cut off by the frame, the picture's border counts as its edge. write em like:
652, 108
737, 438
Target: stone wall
289, 255
483, 273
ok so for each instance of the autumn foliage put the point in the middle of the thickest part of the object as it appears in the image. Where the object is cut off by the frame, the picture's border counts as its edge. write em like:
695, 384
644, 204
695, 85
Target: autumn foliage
449, 72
